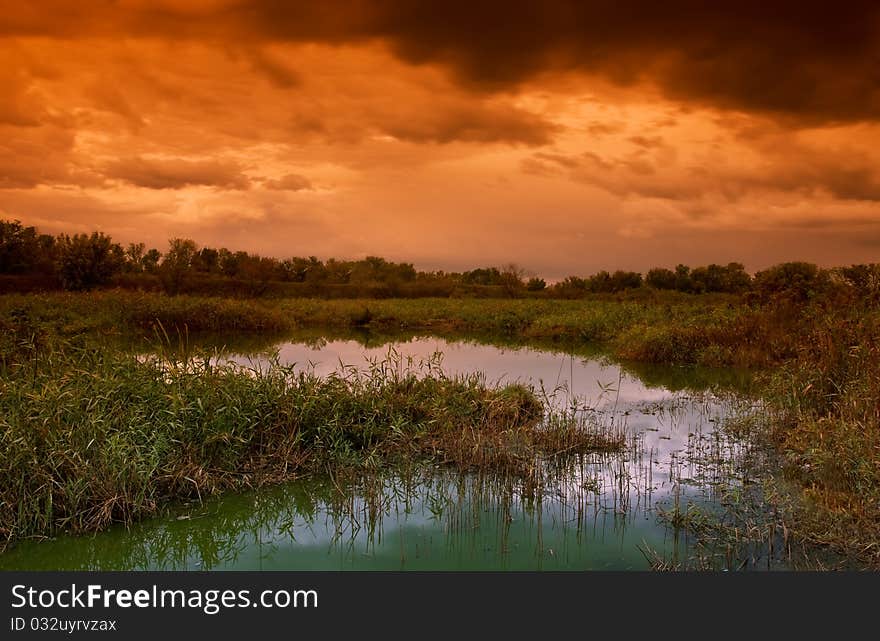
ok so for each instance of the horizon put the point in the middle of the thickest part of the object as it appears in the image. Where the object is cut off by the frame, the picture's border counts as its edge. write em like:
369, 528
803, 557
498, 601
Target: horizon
570, 139
524, 271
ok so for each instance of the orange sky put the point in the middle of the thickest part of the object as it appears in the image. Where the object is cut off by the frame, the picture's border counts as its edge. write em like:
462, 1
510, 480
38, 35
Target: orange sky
568, 137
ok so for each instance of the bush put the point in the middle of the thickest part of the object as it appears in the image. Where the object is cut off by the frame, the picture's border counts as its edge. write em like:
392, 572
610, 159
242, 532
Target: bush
795, 282
86, 262
536, 284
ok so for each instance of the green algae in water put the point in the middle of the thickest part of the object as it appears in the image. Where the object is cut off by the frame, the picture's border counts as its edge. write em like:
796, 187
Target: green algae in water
592, 512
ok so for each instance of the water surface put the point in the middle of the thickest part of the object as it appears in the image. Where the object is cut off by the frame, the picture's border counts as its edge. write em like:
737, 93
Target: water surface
596, 512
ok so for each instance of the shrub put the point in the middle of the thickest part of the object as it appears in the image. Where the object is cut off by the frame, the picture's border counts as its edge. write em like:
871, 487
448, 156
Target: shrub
86, 262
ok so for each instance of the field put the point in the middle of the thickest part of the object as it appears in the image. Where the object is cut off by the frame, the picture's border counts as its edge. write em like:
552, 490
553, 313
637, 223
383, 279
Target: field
660, 327
814, 363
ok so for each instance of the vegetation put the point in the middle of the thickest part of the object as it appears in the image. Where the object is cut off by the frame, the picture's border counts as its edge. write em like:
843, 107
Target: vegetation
826, 424
659, 327
813, 334
31, 261
813, 444
94, 435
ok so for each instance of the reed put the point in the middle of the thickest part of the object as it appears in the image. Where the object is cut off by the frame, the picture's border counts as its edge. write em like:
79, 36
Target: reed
92, 436
668, 327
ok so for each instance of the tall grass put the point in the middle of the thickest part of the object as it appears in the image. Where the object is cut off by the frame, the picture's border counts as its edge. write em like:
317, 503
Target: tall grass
94, 436
827, 424
670, 327
822, 395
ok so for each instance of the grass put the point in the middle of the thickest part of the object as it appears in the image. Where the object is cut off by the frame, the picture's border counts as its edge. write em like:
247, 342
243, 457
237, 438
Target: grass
95, 436
664, 328
812, 446
816, 361
826, 424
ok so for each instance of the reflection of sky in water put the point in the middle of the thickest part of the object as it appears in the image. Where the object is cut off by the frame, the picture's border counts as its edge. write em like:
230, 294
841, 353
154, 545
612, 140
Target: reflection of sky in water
584, 378
597, 516
662, 419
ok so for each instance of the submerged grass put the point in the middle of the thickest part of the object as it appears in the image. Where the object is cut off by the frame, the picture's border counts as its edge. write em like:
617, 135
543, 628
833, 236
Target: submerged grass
807, 459
819, 380
826, 424
96, 436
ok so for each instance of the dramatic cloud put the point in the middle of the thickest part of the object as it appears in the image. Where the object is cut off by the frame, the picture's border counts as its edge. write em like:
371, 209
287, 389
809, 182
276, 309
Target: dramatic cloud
804, 60
176, 173
841, 163
565, 135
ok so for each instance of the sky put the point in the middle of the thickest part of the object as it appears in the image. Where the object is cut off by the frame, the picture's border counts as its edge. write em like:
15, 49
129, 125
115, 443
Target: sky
564, 136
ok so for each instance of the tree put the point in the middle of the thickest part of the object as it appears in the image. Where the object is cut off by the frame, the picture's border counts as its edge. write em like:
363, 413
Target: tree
571, 287
86, 262
177, 263
795, 282
600, 282
482, 276
536, 284
683, 282
338, 272
134, 257
150, 261
228, 262
206, 260
46, 256
660, 278
257, 271
316, 271
621, 280
19, 247
715, 278
512, 279
736, 278
301, 270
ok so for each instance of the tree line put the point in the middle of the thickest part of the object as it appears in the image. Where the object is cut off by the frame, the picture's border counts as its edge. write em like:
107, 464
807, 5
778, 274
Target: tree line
30, 260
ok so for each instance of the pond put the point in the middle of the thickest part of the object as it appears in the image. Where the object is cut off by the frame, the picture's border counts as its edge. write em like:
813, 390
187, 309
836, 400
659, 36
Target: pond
597, 511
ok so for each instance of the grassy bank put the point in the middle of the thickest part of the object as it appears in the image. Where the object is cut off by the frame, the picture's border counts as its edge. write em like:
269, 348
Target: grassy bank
806, 472
817, 363
95, 436
826, 424
664, 328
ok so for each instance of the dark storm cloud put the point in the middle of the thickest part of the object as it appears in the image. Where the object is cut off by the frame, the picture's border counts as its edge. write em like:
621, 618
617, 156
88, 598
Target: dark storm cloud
472, 123
805, 60
177, 173
810, 62
843, 174
276, 71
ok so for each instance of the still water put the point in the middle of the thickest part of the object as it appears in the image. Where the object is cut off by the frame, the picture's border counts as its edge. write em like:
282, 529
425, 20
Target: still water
598, 512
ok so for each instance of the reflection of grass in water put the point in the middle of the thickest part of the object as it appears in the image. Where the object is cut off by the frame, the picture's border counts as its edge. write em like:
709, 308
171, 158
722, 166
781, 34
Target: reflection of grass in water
561, 508
724, 502
352, 509
670, 377
117, 435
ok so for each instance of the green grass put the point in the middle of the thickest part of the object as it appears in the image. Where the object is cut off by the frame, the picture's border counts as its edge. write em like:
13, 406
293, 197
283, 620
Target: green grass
826, 423
819, 380
94, 436
669, 327
814, 441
